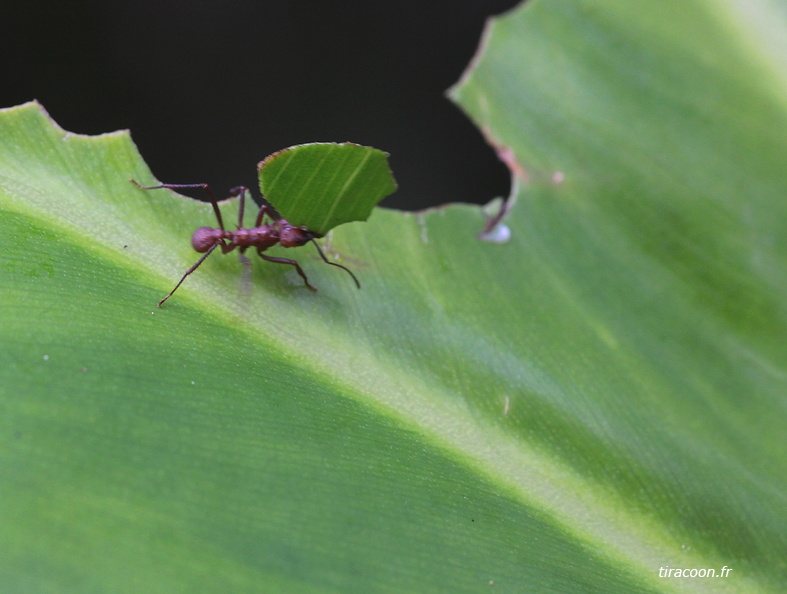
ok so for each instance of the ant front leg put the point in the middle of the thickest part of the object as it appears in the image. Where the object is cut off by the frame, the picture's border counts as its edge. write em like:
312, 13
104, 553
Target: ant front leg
289, 262
205, 187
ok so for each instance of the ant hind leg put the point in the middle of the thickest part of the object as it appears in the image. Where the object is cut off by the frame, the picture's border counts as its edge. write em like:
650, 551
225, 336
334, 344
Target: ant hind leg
188, 272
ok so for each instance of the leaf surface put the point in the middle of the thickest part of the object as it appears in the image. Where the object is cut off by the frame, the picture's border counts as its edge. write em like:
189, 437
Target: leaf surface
596, 398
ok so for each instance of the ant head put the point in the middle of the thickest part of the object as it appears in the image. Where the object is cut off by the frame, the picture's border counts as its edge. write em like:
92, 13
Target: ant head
291, 236
205, 238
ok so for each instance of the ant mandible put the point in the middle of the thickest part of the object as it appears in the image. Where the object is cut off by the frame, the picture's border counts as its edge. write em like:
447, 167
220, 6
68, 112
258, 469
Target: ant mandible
261, 236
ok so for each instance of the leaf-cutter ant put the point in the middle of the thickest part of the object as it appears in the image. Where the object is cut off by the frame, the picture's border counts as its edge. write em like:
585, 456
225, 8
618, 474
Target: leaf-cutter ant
261, 236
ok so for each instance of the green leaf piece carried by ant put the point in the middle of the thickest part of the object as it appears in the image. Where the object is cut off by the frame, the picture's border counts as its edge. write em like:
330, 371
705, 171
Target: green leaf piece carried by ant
321, 185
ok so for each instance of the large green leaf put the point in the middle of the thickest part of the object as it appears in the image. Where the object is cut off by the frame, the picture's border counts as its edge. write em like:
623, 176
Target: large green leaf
598, 397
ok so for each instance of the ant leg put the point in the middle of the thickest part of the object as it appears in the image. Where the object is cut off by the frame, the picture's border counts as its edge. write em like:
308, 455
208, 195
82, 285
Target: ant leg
242, 257
324, 259
246, 282
291, 263
260, 214
240, 191
205, 187
245, 261
189, 271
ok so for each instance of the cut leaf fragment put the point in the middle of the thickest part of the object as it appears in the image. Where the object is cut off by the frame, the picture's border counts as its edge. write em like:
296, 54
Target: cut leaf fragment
321, 185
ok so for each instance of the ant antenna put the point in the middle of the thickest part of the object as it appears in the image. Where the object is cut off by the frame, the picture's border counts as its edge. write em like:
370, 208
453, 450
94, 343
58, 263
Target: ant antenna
324, 259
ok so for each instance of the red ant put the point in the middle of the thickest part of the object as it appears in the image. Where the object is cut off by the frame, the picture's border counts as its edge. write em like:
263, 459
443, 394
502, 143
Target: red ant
206, 239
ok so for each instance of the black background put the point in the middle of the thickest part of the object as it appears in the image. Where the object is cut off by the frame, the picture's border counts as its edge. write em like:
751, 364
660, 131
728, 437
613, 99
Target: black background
210, 88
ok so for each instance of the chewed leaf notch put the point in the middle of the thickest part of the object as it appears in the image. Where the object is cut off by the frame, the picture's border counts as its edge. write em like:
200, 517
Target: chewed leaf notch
322, 185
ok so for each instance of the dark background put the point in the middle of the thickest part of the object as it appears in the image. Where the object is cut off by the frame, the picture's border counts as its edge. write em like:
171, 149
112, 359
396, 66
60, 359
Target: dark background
210, 88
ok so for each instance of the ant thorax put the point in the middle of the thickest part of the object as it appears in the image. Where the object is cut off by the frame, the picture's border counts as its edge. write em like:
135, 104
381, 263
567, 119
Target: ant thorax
261, 237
